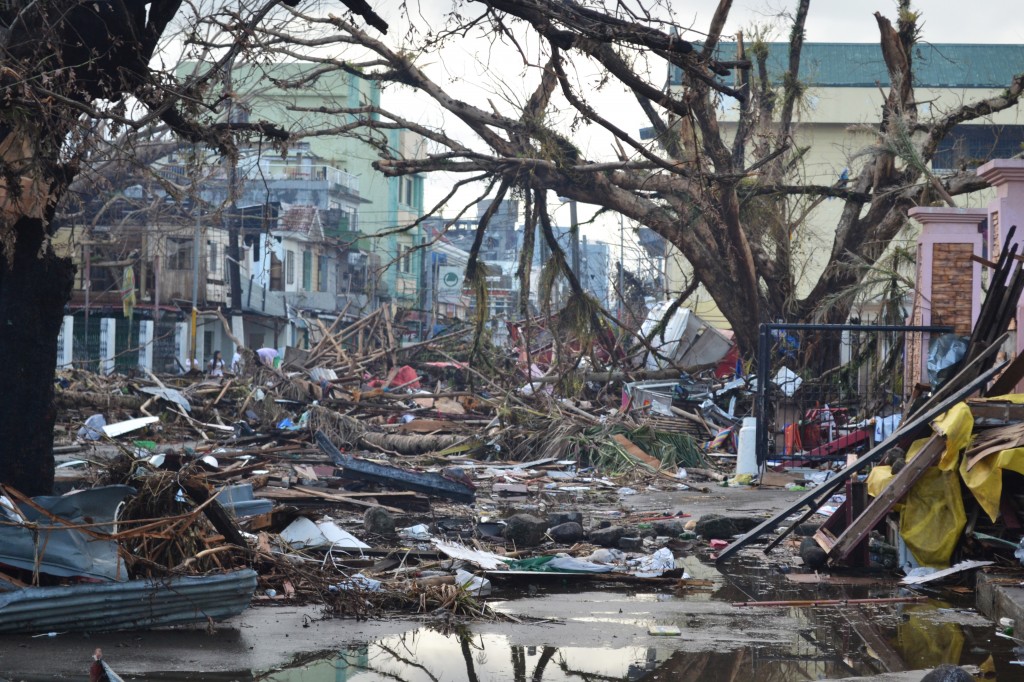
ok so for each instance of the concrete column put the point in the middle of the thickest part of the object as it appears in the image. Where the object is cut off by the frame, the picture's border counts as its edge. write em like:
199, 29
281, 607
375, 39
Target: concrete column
108, 336
946, 277
66, 343
238, 329
1006, 210
146, 335
181, 343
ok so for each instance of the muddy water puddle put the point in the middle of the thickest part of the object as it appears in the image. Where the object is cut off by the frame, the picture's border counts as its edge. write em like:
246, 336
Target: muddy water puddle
582, 631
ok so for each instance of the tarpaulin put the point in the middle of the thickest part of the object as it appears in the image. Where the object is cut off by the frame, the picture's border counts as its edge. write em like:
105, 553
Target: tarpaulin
956, 425
878, 479
985, 479
933, 517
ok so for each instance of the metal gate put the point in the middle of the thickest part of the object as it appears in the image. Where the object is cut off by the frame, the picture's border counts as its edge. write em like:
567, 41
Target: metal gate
818, 385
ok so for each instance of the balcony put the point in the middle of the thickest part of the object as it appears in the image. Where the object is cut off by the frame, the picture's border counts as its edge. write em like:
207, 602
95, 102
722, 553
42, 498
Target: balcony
334, 179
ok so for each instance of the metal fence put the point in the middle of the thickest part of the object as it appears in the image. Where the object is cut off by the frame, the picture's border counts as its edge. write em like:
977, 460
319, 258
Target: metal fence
823, 388
86, 352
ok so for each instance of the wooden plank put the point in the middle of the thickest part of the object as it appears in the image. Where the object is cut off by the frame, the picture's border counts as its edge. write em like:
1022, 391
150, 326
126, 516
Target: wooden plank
897, 489
634, 451
1007, 412
909, 428
1008, 380
345, 499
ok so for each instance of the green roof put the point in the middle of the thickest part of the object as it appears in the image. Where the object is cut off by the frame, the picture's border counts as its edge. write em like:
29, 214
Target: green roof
852, 65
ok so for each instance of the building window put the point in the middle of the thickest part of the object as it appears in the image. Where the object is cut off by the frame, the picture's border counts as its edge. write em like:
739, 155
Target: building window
321, 273
179, 254
307, 271
405, 259
968, 146
289, 267
212, 249
405, 191
276, 280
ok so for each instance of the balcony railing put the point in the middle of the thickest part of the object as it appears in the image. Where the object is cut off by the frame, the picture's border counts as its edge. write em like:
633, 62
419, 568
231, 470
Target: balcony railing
337, 178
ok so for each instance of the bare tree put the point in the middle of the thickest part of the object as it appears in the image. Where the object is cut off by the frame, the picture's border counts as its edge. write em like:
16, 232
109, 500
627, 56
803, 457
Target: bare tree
78, 78
727, 202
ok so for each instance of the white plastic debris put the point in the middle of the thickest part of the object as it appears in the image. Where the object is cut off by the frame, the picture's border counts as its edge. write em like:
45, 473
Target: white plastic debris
475, 585
485, 560
607, 556
303, 533
359, 583
420, 533
653, 565
93, 429
127, 426
788, 381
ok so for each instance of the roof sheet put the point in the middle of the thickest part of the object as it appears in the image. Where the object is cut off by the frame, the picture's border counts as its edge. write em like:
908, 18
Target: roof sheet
941, 65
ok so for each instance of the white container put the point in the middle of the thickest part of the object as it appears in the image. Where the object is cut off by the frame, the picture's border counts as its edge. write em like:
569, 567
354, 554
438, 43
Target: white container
746, 459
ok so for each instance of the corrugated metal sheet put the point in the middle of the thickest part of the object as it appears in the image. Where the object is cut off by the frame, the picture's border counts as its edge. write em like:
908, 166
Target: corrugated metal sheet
940, 65
137, 604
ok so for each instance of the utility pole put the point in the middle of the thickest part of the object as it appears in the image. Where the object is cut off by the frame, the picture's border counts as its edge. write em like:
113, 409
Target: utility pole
193, 354
195, 275
234, 251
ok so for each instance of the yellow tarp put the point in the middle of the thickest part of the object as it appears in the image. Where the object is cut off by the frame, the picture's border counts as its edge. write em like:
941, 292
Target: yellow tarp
985, 479
957, 426
878, 479
933, 517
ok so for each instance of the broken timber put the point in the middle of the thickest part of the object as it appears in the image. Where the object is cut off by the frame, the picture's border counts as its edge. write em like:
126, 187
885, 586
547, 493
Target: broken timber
898, 487
909, 428
431, 484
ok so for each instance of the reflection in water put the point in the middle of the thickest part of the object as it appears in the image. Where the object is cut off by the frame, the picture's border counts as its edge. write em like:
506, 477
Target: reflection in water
831, 644
718, 644
430, 656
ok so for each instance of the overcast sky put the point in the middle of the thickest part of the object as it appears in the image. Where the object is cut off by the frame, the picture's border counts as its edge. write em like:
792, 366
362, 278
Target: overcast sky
468, 66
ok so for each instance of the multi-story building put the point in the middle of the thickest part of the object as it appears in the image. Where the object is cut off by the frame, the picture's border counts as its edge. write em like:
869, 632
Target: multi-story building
846, 84
303, 100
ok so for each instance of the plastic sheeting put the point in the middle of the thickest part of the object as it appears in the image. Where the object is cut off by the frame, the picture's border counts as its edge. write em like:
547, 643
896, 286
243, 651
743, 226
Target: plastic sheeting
933, 517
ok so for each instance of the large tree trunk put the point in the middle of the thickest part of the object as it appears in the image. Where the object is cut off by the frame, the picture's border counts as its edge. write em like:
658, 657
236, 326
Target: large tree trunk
34, 287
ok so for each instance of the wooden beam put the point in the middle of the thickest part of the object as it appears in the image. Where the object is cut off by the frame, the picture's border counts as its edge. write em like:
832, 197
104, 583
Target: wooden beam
897, 489
1007, 412
1008, 380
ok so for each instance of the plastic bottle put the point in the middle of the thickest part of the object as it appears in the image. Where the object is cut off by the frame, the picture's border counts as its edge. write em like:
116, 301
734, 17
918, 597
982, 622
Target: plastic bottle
746, 460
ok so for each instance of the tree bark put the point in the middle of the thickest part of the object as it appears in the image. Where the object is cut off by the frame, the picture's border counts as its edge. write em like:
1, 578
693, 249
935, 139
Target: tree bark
35, 284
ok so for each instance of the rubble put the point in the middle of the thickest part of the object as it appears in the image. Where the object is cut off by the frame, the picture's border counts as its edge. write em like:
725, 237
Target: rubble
372, 479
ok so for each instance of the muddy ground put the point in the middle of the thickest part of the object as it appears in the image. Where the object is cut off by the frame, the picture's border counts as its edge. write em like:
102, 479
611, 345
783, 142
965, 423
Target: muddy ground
586, 631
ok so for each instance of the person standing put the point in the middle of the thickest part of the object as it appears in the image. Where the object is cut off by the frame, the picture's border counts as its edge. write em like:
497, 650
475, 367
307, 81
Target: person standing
216, 365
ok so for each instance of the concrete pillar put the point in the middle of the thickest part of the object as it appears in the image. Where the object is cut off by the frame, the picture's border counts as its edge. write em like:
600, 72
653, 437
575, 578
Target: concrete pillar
66, 343
1007, 209
181, 342
146, 335
947, 277
238, 330
108, 343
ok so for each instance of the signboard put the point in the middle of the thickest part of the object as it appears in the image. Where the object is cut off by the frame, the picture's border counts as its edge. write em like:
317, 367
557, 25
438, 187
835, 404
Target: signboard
449, 283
